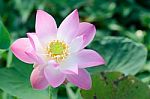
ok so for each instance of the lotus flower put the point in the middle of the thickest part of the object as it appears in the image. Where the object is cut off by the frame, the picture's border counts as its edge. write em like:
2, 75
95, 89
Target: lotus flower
58, 54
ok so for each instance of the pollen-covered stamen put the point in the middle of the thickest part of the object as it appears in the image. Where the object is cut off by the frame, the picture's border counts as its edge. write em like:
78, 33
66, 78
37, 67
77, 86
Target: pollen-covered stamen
57, 50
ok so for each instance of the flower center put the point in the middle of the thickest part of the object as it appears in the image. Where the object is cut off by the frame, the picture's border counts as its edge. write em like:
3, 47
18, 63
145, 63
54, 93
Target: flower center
57, 50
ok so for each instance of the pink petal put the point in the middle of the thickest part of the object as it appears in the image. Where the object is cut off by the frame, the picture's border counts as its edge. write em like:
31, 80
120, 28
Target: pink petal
19, 47
34, 41
68, 68
88, 31
35, 57
76, 44
53, 75
46, 27
68, 28
38, 80
88, 58
82, 80
38, 48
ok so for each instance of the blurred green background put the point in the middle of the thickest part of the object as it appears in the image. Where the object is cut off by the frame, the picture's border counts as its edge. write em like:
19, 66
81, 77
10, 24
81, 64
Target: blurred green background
125, 18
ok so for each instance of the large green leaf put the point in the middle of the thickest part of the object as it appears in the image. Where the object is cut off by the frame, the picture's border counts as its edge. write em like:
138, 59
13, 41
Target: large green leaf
114, 85
16, 82
121, 54
1, 94
4, 37
144, 74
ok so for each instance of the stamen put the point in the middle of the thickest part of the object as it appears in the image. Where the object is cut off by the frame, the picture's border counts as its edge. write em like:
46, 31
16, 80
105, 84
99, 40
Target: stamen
57, 50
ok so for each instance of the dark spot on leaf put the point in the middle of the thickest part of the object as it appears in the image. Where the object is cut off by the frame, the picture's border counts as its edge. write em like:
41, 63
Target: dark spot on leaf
115, 82
103, 75
94, 97
122, 77
136, 87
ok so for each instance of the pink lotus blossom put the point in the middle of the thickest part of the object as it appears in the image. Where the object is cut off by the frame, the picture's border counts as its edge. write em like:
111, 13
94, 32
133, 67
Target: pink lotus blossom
58, 54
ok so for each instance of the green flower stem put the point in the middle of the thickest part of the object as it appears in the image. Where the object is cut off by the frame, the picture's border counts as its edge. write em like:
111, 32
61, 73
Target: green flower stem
53, 93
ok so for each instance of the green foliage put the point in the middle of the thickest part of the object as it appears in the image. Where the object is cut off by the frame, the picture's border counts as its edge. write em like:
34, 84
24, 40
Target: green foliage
4, 37
120, 55
1, 94
115, 85
15, 81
